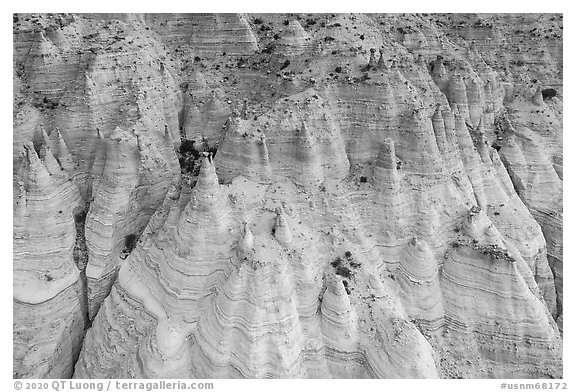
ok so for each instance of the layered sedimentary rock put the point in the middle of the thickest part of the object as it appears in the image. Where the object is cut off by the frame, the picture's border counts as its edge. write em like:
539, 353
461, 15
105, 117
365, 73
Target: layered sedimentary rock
297, 139
80, 75
49, 298
295, 40
244, 306
367, 196
205, 34
130, 178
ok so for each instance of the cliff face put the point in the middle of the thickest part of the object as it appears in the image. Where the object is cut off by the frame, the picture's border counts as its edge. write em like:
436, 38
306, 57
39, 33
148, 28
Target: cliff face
366, 196
49, 299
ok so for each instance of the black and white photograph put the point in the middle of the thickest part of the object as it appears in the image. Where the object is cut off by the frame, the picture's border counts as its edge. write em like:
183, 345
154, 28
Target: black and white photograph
357, 195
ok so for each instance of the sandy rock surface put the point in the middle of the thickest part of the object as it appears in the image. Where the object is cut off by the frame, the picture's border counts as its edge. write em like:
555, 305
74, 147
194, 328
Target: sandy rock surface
288, 196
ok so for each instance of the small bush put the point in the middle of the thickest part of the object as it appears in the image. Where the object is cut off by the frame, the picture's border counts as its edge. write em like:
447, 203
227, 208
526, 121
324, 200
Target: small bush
348, 254
286, 64
338, 69
258, 21
344, 271
187, 146
548, 93
363, 179
336, 263
130, 242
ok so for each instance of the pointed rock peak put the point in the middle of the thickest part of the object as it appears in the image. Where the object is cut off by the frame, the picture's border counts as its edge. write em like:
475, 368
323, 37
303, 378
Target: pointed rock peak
480, 127
537, 98
420, 245
244, 112
45, 46
207, 177
472, 48
61, 147
59, 137
387, 155
32, 158
45, 138
51, 163
335, 285
304, 129
381, 61
438, 68
117, 133
455, 110
489, 87
38, 177
296, 29
138, 140
46, 142
438, 111
263, 138
197, 81
375, 284
478, 225
99, 134
281, 229
236, 122
372, 63
246, 243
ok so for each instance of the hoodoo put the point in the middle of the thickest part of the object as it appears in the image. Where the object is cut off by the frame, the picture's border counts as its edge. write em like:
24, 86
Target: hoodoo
287, 196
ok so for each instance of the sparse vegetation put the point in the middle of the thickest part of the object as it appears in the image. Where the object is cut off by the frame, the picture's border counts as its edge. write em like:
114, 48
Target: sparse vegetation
336, 263
344, 271
548, 93
130, 242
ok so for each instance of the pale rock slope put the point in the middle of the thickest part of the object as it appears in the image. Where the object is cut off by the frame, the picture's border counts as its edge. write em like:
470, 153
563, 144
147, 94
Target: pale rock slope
288, 196
49, 299
130, 179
